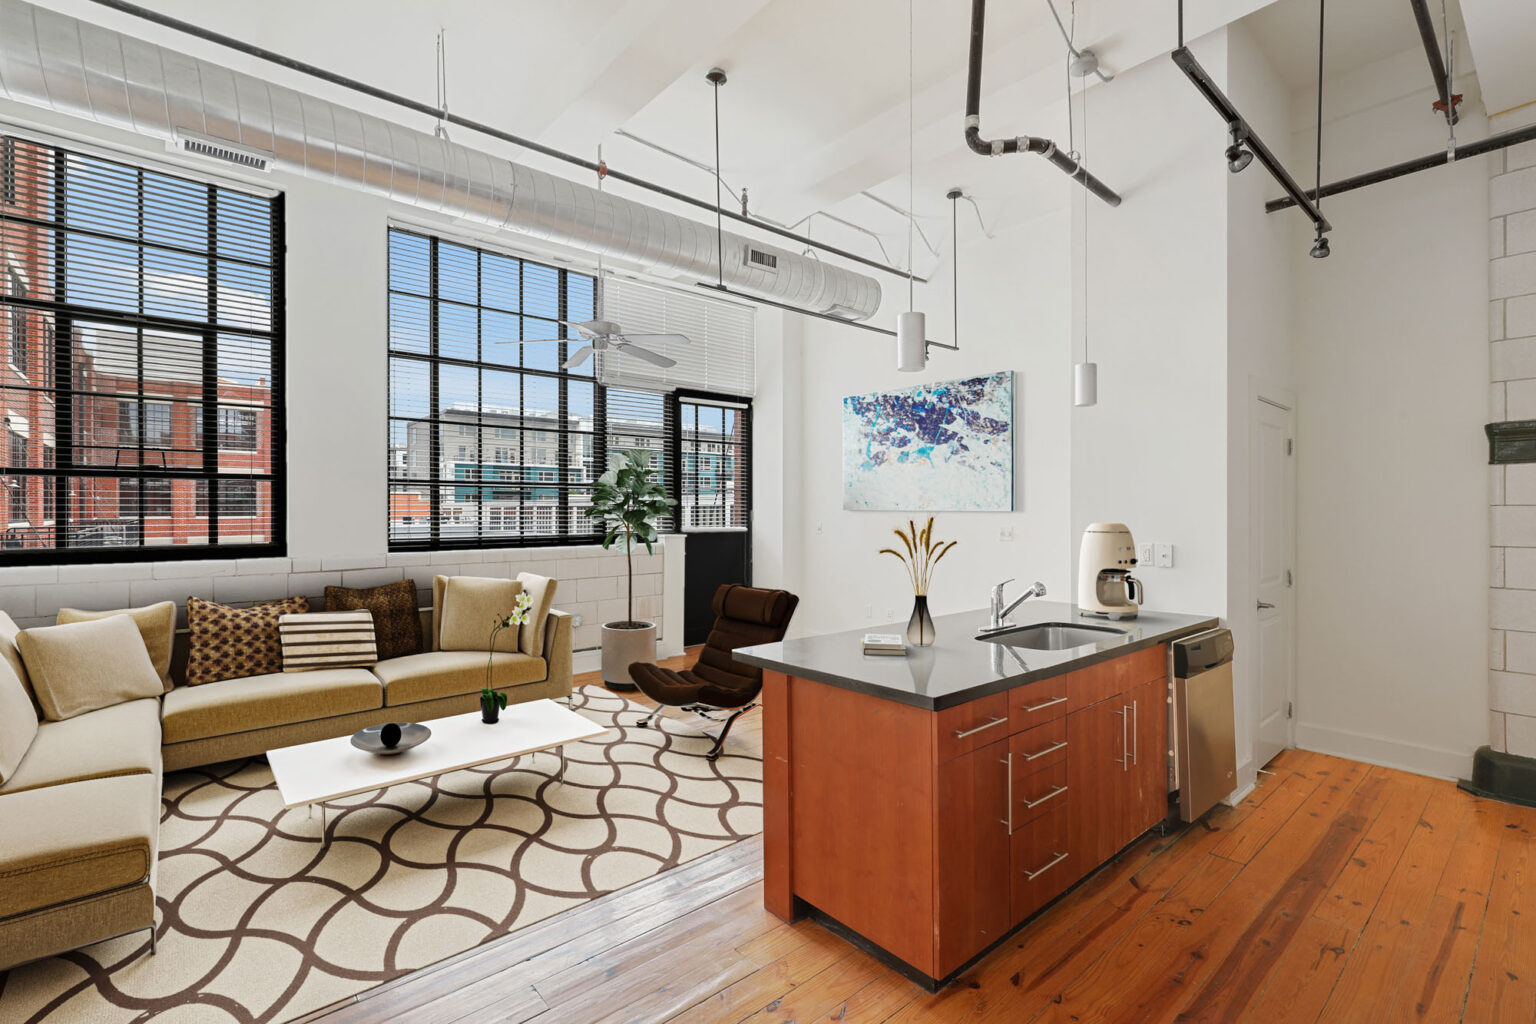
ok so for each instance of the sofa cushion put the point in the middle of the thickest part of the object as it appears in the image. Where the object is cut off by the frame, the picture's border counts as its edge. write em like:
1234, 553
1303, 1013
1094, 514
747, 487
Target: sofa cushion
121, 740
157, 625
396, 619
435, 674
541, 592
232, 706
18, 722
471, 606
82, 666
229, 643
11, 655
317, 640
76, 840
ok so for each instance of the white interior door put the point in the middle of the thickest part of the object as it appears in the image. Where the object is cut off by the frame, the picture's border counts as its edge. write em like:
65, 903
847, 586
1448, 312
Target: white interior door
1274, 538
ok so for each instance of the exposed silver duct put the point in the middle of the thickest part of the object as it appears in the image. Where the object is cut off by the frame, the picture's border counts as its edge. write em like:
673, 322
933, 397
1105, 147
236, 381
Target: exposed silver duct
70, 66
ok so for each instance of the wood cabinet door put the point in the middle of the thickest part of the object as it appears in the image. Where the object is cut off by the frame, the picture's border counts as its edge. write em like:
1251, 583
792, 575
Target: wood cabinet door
1147, 789
1043, 861
1096, 779
971, 808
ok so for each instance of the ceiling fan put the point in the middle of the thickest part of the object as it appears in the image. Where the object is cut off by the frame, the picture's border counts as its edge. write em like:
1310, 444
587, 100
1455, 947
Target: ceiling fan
602, 335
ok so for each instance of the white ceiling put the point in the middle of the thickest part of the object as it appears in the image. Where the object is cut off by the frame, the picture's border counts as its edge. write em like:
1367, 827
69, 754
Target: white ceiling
1502, 34
816, 108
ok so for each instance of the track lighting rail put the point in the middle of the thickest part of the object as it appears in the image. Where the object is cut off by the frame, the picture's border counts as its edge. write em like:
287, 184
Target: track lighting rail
443, 116
1023, 143
1464, 151
1243, 131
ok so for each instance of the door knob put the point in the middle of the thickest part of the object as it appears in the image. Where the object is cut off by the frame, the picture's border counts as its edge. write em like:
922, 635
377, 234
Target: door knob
1264, 604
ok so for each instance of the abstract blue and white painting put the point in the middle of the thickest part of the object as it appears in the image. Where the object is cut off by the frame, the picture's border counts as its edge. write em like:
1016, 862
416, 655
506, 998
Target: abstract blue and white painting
938, 447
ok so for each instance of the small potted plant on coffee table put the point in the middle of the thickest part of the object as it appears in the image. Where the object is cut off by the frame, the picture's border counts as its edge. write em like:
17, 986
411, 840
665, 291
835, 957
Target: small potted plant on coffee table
493, 701
629, 500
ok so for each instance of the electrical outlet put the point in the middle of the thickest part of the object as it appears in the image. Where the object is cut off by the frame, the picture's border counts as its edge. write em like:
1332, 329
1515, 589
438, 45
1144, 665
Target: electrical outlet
1165, 556
890, 614
575, 621
869, 612
1005, 533
1144, 555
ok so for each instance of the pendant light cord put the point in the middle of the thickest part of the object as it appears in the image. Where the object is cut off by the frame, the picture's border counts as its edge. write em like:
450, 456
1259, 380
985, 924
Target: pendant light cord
1450, 96
1317, 192
911, 161
954, 259
719, 223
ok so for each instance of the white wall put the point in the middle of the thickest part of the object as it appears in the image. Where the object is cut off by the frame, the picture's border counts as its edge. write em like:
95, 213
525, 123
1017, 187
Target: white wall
337, 411
1151, 453
1014, 317
1392, 369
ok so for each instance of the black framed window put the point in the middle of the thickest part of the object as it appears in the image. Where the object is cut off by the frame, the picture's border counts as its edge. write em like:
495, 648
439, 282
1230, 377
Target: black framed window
7, 169
492, 443
153, 325
715, 452
18, 346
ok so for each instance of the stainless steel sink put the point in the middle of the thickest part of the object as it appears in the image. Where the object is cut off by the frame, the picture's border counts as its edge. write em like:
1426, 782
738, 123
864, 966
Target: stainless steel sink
1052, 636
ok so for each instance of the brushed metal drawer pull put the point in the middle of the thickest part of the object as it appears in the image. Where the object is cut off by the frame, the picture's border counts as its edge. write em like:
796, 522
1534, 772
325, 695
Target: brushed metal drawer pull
1031, 709
1048, 750
1030, 876
1053, 794
1008, 761
971, 732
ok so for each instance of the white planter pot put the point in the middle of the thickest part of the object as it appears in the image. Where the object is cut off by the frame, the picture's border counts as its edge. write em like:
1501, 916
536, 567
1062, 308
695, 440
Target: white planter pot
622, 648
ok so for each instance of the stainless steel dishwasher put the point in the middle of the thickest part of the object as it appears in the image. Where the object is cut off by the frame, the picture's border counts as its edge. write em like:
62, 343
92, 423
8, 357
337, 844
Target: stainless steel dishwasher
1201, 725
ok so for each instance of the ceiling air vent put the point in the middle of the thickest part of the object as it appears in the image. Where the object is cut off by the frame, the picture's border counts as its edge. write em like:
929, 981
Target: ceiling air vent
764, 260
219, 149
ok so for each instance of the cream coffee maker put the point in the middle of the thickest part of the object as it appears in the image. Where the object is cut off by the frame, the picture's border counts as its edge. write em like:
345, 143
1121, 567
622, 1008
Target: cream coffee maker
1105, 585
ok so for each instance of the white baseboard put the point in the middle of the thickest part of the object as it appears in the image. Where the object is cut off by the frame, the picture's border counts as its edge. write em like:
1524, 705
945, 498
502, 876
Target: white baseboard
1389, 753
590, 660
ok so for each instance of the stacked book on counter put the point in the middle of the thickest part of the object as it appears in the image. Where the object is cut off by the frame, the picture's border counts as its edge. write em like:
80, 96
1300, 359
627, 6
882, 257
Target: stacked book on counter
888, 644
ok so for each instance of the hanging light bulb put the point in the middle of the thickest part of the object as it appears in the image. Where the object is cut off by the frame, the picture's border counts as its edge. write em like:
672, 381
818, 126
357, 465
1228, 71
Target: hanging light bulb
911, 326
1085, 384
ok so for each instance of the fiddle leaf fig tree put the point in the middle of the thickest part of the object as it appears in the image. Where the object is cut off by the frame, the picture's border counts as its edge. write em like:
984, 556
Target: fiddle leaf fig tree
629, 500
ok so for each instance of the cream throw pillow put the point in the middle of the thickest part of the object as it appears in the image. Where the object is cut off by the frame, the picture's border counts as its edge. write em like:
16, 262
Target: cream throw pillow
541, 591
157, 625
84, 666
471, 606
18, 721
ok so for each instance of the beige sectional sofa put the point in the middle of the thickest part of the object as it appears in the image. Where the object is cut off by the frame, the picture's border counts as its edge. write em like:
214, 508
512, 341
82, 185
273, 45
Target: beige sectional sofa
80, 814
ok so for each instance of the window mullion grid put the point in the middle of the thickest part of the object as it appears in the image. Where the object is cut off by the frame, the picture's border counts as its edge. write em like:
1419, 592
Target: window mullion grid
210, 382
482, 512
64, 363
563, 476
520, 476
434, 421
138, 335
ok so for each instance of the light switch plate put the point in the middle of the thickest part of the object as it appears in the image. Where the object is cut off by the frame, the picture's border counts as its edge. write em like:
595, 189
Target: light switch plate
1144, 555
1165, 556
1005, 533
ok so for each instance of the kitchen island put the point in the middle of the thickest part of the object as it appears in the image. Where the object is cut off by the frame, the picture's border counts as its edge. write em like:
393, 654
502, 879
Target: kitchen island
928, 805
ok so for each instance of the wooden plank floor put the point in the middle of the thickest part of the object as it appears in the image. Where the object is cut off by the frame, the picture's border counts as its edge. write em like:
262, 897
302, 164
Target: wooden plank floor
1337, 892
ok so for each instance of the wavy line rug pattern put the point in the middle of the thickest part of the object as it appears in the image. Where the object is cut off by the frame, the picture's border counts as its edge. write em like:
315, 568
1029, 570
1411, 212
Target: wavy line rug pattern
258, 923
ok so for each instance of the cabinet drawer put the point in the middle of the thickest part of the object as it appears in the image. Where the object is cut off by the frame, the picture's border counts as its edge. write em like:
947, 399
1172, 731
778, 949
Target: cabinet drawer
1040, 747
1045, 701
1040, 864
1036, 792
970, 726
1112, 678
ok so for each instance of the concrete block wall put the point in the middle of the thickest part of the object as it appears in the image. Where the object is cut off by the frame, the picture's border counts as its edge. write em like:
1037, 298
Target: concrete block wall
591, 582
1512, 489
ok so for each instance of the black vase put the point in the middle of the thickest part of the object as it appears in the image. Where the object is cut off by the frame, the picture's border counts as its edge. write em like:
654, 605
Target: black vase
920, 625
490, 711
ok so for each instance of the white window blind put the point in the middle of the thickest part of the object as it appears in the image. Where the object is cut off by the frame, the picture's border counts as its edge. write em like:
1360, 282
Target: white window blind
720, 356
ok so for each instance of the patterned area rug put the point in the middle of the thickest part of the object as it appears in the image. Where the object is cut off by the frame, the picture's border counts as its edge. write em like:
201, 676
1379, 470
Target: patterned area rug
258, 923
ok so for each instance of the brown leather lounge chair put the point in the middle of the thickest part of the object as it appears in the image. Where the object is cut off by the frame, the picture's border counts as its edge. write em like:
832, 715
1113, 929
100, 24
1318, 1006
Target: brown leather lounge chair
718, 682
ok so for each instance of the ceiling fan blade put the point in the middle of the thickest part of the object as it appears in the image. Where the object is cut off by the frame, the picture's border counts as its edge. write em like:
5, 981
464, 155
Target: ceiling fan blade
646, 354
529, 341
593, 327
680, 339
578, 357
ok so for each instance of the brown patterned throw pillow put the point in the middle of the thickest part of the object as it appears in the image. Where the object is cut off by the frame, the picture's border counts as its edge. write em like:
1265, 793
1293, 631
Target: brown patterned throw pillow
396, 622
231, 643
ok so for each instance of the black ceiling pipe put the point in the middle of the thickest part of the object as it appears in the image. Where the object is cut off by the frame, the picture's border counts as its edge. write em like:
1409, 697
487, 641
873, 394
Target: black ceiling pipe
440, 114
1208, 88
1464, 151
1437, 70
1023, 143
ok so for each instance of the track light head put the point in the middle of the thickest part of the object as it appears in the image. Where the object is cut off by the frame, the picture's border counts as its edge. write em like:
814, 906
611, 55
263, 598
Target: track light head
1320, 247
1239, 155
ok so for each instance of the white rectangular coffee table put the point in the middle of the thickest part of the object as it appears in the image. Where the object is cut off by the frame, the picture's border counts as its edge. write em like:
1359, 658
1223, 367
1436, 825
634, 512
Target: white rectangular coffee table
312, 773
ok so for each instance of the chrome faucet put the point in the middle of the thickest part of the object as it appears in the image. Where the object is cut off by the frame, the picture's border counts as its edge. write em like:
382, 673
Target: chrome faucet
999, 617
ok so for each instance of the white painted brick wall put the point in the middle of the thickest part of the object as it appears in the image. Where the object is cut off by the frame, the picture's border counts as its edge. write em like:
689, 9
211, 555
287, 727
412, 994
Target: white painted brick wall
591, 582
1512, 489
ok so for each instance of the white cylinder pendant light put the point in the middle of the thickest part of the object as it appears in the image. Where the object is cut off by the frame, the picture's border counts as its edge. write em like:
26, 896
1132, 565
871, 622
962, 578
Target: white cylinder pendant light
911, 342
1085, 384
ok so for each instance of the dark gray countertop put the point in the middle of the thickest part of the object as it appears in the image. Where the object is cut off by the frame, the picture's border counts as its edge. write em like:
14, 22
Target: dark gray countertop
957, 667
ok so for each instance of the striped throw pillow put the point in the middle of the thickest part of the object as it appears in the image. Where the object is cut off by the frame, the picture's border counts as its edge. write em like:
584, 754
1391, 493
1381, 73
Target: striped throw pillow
327, 640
